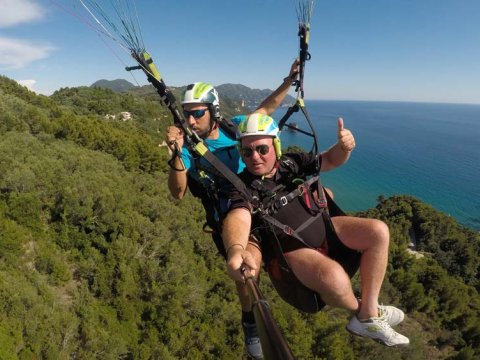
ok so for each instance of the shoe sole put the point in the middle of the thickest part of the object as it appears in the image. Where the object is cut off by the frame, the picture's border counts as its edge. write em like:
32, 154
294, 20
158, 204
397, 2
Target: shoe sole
380, 341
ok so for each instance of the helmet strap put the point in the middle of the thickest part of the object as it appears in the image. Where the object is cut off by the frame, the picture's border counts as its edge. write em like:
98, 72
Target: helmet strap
214, 117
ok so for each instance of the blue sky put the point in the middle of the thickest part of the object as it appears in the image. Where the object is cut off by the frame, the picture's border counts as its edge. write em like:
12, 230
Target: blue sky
407, 50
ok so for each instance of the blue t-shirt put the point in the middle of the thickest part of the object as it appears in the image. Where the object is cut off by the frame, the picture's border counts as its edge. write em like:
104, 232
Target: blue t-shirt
224, 148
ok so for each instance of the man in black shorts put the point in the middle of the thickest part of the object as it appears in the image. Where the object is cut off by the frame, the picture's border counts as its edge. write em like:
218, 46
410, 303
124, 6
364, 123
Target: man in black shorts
265, 171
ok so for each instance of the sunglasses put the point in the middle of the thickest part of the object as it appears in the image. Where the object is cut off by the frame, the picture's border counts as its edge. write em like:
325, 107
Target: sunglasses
261, 149
197, 114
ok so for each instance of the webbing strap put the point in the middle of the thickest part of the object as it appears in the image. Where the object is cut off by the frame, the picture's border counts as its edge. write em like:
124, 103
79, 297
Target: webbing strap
209, 169
299, 191
322, 200
224, 170
303, 34
285, 228
300, 105
307, 116
307, 223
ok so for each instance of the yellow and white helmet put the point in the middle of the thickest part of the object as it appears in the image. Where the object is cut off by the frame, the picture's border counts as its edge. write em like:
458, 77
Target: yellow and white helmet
260, 124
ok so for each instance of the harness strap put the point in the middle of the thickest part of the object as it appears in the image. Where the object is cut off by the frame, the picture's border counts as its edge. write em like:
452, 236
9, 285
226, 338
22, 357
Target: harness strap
223, 169
229, 127
211, 169
299, 191
285, 228
322, 200
307, 223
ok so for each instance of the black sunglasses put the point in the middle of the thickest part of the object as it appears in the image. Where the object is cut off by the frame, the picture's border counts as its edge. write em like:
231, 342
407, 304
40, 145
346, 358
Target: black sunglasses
197, 114
261, 149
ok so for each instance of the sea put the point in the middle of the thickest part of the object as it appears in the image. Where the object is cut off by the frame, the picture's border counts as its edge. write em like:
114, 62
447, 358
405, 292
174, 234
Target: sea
427, 150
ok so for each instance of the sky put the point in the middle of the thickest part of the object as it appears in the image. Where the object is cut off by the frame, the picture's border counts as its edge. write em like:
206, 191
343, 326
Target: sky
388, 50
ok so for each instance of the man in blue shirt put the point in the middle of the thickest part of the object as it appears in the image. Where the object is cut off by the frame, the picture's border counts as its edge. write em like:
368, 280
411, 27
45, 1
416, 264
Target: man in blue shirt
202, 111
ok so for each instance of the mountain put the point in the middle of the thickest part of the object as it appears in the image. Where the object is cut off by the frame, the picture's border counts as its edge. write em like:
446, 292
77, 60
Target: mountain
228, 106
251, 97
234, 97
118, 85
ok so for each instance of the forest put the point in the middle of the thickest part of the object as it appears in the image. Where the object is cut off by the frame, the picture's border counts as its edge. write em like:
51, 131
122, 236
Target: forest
97, 261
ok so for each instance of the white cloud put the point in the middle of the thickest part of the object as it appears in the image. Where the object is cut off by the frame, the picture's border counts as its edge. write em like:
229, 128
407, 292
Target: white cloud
13, 12
16, 54
29, 84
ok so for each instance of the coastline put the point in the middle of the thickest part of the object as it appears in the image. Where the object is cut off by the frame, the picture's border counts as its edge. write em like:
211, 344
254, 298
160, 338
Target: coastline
417, 149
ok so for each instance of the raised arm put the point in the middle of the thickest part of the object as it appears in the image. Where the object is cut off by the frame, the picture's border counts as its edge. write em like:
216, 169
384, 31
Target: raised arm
236, 230
339, 153
274, 100
177, 180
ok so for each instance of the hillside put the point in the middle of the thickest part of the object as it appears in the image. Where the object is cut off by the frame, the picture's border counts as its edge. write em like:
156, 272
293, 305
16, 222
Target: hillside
97, 260
250, 97
118, 85
234, 98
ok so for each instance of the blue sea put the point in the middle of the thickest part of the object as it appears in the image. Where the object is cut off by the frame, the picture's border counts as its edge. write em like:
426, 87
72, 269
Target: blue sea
430, 151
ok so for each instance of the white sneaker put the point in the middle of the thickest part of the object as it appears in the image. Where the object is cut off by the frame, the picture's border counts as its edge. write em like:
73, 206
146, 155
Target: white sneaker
392, 315
377, 329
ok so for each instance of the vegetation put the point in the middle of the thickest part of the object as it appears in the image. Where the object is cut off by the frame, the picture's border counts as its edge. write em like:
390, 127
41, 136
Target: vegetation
234, 98
98, 262
118, 85
251, 97
230, 105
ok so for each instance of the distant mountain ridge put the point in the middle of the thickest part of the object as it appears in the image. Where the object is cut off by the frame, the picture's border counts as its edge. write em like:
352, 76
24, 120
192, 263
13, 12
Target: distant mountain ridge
251, 97
118, 85
238, 93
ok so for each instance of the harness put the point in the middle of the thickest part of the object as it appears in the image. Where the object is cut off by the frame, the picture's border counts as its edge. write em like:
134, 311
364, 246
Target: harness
211, 187
272, 201
272, 231
208, 190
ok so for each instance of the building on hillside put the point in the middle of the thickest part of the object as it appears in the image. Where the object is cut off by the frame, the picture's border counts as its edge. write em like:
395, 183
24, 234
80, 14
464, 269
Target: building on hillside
125, 115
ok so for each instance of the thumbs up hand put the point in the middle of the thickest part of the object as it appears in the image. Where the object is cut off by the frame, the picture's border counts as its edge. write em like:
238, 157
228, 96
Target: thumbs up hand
345, 137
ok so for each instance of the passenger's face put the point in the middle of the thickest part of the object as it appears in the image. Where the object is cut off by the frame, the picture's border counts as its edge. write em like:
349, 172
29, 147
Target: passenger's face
198, 117
262, 155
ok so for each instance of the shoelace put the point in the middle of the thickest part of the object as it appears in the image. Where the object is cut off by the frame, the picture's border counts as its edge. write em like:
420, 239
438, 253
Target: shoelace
389, 332
383, 312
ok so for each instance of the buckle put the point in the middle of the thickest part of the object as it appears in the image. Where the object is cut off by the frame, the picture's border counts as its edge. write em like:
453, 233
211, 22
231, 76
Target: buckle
288, 230
322, 203
283, 201
301, 188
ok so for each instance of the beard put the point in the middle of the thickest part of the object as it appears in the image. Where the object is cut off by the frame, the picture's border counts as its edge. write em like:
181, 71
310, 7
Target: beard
203, 134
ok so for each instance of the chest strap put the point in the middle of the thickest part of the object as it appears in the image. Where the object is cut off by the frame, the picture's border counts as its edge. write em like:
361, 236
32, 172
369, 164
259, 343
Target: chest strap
299, 191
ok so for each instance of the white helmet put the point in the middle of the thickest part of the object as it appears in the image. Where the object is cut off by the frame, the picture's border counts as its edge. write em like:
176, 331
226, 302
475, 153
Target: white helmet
200, 93
203, 93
